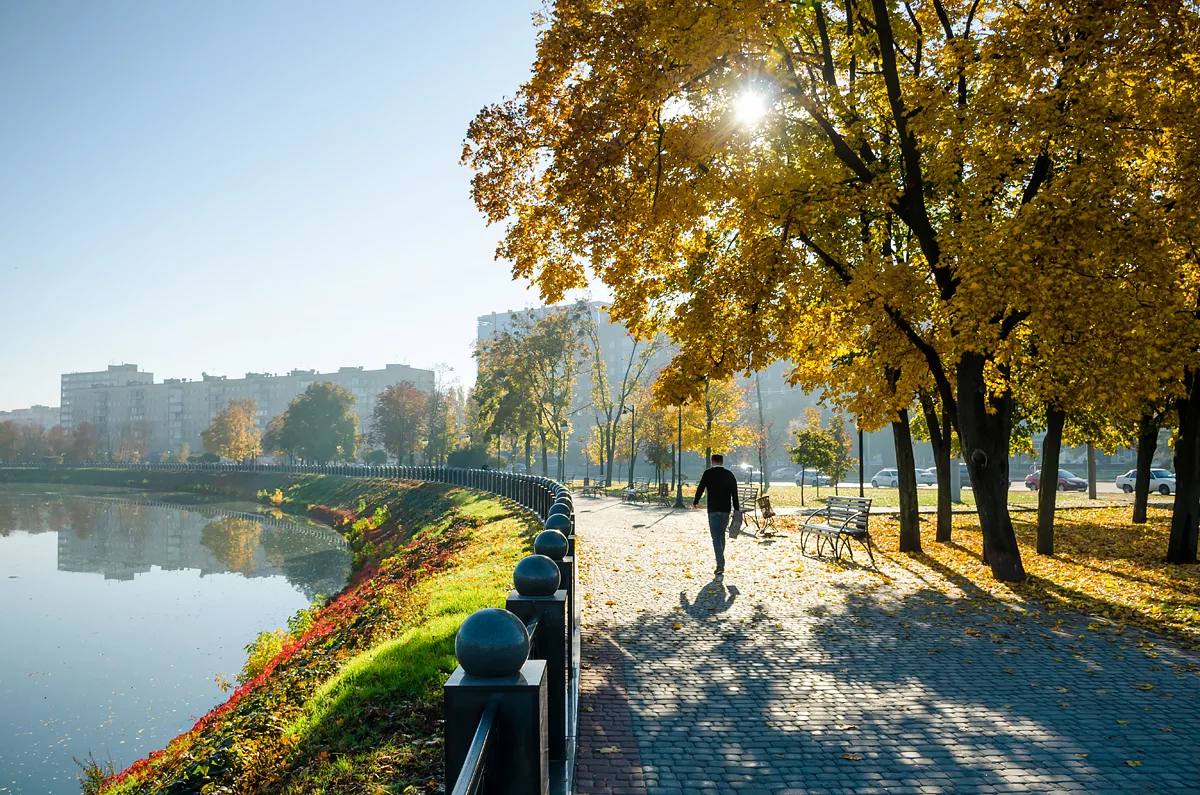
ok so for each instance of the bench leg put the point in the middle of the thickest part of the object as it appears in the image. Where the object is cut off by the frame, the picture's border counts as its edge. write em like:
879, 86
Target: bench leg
867, 543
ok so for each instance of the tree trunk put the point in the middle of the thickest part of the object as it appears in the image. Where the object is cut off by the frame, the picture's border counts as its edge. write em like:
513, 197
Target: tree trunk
1147, 445
1048, 481
984, 426
906, 468
939, 440
762, 436
545, 454
610, 451
1182, 545
528, 452
1091, 467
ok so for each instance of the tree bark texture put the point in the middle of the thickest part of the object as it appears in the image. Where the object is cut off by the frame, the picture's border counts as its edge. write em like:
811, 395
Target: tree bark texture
906, 467
985, 441
1048, 482
1181, 548
939, 440
1146, 447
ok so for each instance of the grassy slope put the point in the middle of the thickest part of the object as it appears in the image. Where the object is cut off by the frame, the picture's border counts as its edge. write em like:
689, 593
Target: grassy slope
353, 705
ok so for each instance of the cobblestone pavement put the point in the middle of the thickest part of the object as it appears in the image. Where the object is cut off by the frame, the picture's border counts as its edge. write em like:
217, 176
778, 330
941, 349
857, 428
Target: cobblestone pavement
795, 675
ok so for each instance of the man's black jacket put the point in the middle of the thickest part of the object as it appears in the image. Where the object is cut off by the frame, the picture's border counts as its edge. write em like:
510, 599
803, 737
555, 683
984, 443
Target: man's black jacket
722, 490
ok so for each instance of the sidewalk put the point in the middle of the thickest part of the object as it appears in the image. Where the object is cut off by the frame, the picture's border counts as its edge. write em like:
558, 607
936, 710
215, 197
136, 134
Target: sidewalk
793, 675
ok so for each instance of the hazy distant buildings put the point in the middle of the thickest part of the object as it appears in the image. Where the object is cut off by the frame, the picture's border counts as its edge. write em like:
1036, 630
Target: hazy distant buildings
132, 412
74, 383
45, 416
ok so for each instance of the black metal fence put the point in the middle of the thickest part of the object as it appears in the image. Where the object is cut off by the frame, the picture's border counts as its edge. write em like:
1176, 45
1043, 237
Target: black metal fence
512, 705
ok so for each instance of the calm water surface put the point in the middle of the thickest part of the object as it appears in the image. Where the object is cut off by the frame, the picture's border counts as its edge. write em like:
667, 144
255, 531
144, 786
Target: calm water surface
116, 616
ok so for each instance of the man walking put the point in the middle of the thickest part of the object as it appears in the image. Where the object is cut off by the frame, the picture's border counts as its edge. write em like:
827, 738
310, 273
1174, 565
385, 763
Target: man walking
722, 494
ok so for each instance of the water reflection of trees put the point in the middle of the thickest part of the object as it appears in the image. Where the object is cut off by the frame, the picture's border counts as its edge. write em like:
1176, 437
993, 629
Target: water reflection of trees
233, 541
121, 538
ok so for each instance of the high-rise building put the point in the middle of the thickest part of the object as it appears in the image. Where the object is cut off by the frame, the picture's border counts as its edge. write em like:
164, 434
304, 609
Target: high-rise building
73, 383
154, 418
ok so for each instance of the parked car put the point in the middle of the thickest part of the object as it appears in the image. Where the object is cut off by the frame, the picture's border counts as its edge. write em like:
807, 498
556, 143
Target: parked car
927, 477
1067, 481
887, 478
784, 473
813, 477
1161, 481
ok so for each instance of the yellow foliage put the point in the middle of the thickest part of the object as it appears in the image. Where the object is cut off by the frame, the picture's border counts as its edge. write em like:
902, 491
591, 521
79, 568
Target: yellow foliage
233, 433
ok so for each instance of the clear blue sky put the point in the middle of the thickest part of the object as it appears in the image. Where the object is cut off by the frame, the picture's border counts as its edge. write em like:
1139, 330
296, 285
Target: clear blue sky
245, 186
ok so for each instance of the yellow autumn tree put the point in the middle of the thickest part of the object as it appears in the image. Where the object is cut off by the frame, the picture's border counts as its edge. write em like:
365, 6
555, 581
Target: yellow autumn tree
233, 433
965, 177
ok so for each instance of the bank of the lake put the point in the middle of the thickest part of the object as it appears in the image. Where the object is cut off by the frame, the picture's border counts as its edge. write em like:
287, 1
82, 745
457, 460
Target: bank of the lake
348, 699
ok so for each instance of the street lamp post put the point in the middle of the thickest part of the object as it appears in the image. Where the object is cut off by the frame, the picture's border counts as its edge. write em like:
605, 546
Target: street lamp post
679, 460
861, 457
587, 462
562, 451
632, 412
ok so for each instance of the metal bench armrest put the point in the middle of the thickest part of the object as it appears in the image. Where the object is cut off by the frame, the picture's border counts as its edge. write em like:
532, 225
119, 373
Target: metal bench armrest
850, 519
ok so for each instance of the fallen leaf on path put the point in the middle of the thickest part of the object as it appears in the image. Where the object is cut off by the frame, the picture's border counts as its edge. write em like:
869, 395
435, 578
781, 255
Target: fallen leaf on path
852, 757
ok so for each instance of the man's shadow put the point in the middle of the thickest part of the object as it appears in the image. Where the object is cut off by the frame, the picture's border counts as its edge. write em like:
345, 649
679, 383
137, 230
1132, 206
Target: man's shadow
713, 598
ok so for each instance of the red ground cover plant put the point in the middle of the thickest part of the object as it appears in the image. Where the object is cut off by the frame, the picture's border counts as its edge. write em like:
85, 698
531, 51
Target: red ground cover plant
377, 582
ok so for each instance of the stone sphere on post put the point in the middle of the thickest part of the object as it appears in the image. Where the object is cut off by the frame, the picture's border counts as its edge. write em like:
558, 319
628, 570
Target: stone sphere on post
558, 521
536, 575
492, 642
560, 507
551, 543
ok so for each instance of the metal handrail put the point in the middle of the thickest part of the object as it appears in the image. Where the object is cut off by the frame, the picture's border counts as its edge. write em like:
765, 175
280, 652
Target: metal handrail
474, 766
532, 627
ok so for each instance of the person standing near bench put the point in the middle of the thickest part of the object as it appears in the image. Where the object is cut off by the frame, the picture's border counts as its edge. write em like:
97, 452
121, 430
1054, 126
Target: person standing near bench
722, 488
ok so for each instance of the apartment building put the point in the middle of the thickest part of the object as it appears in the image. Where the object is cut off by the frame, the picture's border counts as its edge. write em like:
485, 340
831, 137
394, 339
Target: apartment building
154, 418
73, 383
45, 416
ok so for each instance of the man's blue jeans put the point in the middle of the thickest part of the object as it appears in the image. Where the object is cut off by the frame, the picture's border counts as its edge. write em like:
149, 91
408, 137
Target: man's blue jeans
717, 524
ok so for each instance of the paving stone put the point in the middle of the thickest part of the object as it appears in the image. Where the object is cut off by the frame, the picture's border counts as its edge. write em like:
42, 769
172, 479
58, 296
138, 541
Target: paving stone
763, 681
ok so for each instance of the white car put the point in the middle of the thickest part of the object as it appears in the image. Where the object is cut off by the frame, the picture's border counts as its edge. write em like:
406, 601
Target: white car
927, 477
1161, 481
889, 478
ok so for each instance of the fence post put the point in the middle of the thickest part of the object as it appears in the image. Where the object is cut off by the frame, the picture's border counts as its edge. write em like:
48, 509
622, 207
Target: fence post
492, 647
553, 545
537, 595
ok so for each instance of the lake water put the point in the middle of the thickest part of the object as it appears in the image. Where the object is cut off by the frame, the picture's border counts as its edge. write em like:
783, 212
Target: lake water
117, 614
